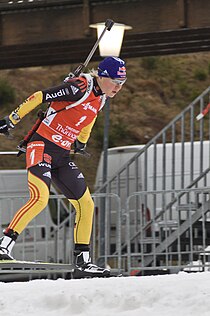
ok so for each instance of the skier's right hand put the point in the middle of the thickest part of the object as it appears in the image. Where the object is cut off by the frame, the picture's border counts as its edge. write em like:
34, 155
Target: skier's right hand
5, 125
79, 148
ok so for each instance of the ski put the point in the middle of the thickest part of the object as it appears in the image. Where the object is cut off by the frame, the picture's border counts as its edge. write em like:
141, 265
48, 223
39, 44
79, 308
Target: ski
17, 270
11, 267
34, 266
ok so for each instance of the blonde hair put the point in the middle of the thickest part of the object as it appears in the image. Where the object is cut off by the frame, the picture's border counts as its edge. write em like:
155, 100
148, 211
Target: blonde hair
94, 73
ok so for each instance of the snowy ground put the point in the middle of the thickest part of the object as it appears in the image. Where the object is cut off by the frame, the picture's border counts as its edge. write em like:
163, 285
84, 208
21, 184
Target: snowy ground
175, 295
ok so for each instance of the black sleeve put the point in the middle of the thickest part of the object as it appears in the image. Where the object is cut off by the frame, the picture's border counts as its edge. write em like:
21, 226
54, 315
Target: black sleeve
69, 91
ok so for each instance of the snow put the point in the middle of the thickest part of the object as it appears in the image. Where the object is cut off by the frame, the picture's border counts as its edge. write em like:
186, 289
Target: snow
182, 294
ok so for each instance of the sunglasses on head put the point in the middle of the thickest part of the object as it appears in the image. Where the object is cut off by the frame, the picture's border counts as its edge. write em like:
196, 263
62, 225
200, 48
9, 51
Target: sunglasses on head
118, 81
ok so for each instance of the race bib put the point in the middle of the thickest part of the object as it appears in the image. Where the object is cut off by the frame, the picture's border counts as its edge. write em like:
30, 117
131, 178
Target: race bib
34, 153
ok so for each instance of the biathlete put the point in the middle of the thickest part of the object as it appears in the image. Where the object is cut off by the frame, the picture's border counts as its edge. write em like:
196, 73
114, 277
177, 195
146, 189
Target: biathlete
74, 106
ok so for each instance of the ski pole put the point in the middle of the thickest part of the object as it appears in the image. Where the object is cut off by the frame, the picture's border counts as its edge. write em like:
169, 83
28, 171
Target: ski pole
203, 113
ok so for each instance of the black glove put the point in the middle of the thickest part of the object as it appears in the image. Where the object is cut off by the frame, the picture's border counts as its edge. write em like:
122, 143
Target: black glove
5, 125
79, 148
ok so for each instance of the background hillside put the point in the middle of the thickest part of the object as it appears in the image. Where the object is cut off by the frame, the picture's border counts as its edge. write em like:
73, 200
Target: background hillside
157, 89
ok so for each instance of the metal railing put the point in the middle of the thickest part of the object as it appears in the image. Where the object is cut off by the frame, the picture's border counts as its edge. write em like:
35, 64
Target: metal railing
177, 158
183, 131
171, 243
131, 243
49, 236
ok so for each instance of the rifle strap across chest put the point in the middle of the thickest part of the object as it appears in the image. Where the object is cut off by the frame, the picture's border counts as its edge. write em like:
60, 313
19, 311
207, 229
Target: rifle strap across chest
88, 91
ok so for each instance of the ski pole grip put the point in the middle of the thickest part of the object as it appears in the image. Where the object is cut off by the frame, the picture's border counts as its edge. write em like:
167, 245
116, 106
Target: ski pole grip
109, 23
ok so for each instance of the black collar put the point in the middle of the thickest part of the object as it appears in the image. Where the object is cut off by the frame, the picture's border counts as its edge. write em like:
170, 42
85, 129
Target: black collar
96, 89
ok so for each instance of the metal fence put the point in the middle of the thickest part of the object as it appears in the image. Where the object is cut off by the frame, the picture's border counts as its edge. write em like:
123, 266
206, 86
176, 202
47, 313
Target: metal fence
170, 160
176, 159
49, 236
174, 237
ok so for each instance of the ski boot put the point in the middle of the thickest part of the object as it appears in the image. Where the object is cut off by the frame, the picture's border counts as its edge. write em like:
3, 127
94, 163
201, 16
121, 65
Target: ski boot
6, 244
85, 269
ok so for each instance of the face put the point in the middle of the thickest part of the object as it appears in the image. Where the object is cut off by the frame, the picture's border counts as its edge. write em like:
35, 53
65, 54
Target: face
110, 86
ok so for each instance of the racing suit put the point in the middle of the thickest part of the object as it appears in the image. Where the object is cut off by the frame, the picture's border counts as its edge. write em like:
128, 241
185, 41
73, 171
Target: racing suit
74, 106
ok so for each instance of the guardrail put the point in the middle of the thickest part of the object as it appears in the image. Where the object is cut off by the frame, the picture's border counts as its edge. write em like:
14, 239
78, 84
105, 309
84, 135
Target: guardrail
172, 240
49, 236
174, 236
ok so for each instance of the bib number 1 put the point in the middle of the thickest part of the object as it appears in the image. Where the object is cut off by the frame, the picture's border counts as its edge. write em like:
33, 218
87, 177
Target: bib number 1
81, 120
34, 153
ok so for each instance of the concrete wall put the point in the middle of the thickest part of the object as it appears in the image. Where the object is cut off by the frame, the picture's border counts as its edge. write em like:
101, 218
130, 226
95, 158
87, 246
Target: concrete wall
67, 22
